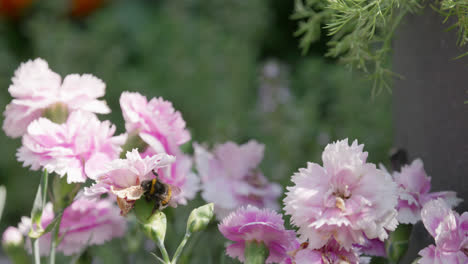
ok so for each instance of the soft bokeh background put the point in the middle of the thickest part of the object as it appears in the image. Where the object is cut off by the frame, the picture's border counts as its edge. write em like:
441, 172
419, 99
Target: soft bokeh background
231, 67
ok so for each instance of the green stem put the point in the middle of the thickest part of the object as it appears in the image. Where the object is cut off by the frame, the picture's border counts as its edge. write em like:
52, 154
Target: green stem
163, 250
181, 247
54, 240
37, 256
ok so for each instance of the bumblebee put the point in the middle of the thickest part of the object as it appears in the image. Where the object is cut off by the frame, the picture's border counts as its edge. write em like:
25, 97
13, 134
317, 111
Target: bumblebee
158, 192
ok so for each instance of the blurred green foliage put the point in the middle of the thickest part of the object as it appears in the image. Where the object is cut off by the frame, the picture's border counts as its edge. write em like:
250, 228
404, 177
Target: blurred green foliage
208, 58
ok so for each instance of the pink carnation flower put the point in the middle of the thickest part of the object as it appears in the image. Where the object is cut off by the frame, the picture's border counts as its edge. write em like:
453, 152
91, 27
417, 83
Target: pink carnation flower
414, 186
230, 178
122, 177
260, 225
328, 254
347, 199
84, 223
74, 148
35, 87
450, 232
163, 130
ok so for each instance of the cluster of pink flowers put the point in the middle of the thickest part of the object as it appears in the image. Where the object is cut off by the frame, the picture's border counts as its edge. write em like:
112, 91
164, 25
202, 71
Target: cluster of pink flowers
345, 210
84, 147
231, 179
62, 134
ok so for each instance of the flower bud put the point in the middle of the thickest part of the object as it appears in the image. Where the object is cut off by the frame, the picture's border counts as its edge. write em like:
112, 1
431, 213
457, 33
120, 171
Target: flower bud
13, 245
200, 218
12, 237
155, 226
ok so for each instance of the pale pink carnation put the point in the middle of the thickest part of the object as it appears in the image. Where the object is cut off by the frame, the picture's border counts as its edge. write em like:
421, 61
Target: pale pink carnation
162, 128
259, 225
12, 236
347, 199
450, 232
414, 186
74, 148
122, 177
35, 87
331, 253
84, 223
230, 178
156, 117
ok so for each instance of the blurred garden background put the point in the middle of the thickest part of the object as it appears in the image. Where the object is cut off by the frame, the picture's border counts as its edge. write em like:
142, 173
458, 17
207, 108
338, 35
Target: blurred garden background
232, 68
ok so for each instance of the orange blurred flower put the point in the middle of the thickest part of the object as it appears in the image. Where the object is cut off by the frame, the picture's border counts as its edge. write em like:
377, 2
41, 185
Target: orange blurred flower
13, 8
81, 8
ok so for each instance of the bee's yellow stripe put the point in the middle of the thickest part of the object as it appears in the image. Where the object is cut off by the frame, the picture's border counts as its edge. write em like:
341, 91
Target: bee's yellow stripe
153, 184
168, 196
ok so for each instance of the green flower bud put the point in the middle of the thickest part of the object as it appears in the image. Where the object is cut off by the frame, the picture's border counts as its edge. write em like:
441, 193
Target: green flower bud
199, 218
155, 226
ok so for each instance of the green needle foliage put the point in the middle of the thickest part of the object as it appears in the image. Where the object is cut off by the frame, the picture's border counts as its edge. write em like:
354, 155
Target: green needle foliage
458, 10
361, 31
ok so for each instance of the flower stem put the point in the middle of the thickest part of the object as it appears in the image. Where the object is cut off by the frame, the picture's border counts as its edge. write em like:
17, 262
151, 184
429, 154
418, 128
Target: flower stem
163, 250
181, 247
54, 240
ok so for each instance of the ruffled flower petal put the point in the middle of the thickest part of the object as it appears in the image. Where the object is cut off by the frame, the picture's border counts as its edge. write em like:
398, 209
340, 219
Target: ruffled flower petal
347, 200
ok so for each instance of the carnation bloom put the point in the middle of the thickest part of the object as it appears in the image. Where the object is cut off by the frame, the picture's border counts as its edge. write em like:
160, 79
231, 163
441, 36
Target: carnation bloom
84, 223
450, 232
122, 177
12, 236
162, 128
331, 253
260, 225
35, 87
74, 148
414, 186
230, 178
347, 199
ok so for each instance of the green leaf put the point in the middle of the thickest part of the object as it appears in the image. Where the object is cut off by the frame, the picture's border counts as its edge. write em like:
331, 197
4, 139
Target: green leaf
397, 244
200, 218
143, 209
3, 193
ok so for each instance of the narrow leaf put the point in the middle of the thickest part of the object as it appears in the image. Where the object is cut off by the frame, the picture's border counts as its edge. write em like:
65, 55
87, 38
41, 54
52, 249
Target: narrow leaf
2, 199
